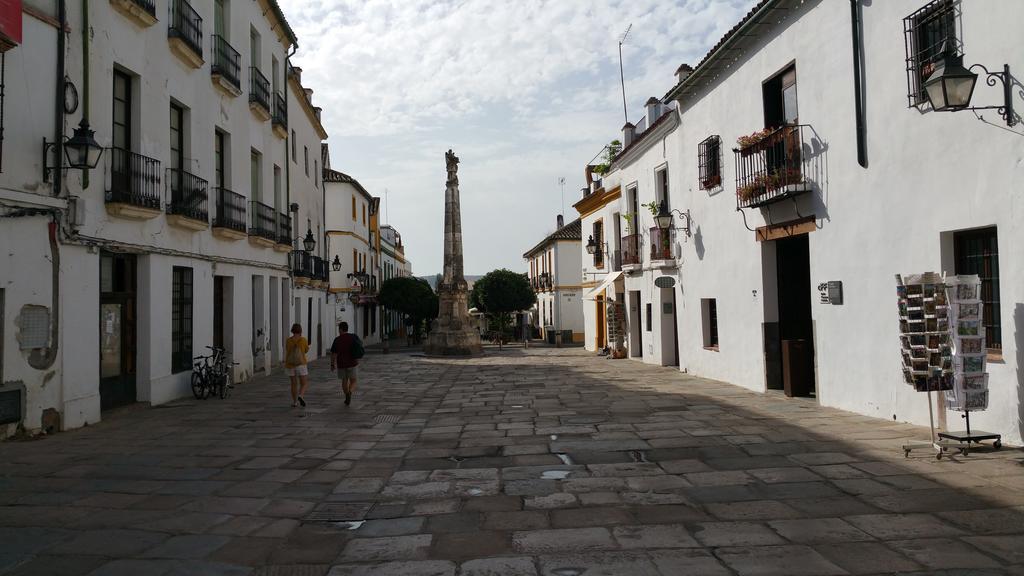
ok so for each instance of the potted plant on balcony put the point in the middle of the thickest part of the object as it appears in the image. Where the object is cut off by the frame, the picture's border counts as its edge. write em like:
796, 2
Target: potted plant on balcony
610, 152
630, 219
712, 181
754, 142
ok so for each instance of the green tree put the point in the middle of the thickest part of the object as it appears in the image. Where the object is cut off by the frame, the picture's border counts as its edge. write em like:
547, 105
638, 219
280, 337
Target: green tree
412, 297
499, 293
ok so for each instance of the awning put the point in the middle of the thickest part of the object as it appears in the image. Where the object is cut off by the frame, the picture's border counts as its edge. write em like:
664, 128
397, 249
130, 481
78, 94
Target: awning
608, 281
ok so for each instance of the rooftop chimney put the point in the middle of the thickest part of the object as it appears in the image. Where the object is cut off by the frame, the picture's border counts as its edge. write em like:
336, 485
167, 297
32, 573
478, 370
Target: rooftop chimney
297, 73
317, 110
309, 94
561, 222
683, 72
653, 106
628, 131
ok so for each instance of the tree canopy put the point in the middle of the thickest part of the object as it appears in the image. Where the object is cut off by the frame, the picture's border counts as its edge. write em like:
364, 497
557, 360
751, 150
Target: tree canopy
410, 296
502, 291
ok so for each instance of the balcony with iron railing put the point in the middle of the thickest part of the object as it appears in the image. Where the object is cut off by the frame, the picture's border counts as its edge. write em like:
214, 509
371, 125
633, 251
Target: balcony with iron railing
662, 254
229, 222
188, 205
284, 229
773, 165
631, 256
259, 93
263, 223
301, 263
280, 116
185, 32
134, 184
143, 12
225, 69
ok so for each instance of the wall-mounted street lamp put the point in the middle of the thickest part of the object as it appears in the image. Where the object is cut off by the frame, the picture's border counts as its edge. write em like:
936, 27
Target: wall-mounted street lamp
591, 246
309, 242
950, 87
81, 150
336, 264
664, 218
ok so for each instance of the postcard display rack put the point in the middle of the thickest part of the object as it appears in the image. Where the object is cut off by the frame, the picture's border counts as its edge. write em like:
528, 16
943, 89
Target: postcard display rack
939, 324
967, 336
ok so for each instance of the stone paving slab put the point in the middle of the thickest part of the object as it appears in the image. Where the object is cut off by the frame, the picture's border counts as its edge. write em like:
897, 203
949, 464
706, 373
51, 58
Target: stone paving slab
517, 463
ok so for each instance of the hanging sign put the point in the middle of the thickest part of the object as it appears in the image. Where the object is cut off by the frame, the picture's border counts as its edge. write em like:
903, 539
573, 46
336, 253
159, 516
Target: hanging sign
10, 24
664, 282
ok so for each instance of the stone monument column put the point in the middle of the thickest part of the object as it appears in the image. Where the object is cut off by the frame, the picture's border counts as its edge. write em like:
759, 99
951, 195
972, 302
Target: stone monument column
453, 333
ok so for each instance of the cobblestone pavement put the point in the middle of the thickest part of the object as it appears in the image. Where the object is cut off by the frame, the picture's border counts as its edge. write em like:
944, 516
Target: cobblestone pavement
519, 463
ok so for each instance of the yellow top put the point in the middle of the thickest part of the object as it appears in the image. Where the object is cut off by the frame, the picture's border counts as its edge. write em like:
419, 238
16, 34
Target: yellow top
299, 344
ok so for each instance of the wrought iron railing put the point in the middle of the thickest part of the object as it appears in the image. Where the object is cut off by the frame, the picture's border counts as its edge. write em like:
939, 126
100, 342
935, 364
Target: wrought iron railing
320, 268
284, 229
230, 210
631, 250
301, 264
188, 195
661, 243
280, 110
226, 61
770, 166
147, 5
264, 221
259, 88
134, 179
186, 24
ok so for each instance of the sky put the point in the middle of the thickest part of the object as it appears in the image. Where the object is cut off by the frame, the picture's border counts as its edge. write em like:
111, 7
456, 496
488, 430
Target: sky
524, 91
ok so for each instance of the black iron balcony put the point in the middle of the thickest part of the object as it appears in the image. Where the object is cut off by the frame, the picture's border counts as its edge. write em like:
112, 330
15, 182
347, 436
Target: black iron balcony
631, 250
230, 210
259, 89
134, 179
226, 61
148, 6
771, 166
301, 263
264, 221
186, 24
284, 229
661, 244
280, 111
188, 195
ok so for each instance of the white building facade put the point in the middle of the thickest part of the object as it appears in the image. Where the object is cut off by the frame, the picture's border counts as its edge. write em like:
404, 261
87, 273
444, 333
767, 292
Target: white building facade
114, 278
393, 264
353, 238
554, 266
791, 182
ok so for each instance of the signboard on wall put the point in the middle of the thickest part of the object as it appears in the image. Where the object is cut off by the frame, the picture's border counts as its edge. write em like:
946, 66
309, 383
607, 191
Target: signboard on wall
10, 24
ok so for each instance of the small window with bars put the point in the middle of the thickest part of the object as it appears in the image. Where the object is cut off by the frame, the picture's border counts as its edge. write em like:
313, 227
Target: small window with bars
977, 252
709, 159
598, 234
181, 319
928, 33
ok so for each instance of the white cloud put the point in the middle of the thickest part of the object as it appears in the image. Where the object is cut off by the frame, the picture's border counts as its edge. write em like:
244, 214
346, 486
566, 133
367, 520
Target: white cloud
525, 91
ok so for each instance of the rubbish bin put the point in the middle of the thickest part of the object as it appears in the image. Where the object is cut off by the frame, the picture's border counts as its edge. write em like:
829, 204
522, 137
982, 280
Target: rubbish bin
549, 334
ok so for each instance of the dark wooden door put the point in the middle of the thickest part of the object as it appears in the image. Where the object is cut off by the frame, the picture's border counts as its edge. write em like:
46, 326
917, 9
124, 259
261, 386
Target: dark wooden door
117, 330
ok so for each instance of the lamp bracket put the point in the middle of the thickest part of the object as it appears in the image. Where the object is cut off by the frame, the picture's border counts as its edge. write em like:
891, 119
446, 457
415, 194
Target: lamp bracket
683, 216
1006, 110
47, 167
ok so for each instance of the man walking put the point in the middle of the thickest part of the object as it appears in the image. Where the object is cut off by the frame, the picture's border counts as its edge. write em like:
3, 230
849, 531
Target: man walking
345, 353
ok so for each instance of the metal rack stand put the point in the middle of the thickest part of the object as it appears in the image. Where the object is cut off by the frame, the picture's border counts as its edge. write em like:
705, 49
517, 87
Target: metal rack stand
965, 438
939, 446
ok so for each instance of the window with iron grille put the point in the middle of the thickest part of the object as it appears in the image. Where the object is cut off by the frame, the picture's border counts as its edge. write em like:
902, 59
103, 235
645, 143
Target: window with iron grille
709, 310
598, 239
928, 33
976, 252
709, 161
181, 319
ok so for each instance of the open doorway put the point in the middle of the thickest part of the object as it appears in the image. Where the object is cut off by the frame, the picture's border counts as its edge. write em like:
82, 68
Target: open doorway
789, 341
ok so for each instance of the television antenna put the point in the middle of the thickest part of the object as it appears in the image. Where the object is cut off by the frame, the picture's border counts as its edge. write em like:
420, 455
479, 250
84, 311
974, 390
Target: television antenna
622, 78
561, 182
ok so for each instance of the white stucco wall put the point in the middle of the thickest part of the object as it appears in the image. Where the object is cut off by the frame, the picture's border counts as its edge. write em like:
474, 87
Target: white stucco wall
929, 174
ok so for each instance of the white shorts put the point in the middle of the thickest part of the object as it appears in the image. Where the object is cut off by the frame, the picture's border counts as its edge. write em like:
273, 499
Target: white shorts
300, 370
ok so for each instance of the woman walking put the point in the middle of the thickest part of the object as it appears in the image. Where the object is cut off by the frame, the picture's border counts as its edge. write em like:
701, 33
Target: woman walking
295, 348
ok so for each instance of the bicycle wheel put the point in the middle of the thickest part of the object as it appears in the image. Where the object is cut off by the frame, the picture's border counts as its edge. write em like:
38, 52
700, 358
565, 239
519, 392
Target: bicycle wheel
222, 385
198, 386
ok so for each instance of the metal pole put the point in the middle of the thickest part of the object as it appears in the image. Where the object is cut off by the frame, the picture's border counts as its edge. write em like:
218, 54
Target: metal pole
622, 81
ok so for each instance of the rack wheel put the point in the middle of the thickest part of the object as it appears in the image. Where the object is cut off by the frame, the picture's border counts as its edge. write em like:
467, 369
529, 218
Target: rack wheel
997, 444
938, 455
964, 451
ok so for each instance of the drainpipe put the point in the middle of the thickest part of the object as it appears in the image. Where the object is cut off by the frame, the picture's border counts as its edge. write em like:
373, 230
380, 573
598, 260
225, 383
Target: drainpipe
858, 72
85, 76
45, 360
58, 117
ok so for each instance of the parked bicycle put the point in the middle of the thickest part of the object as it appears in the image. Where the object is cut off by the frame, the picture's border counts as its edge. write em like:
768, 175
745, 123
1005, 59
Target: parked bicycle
211, 374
